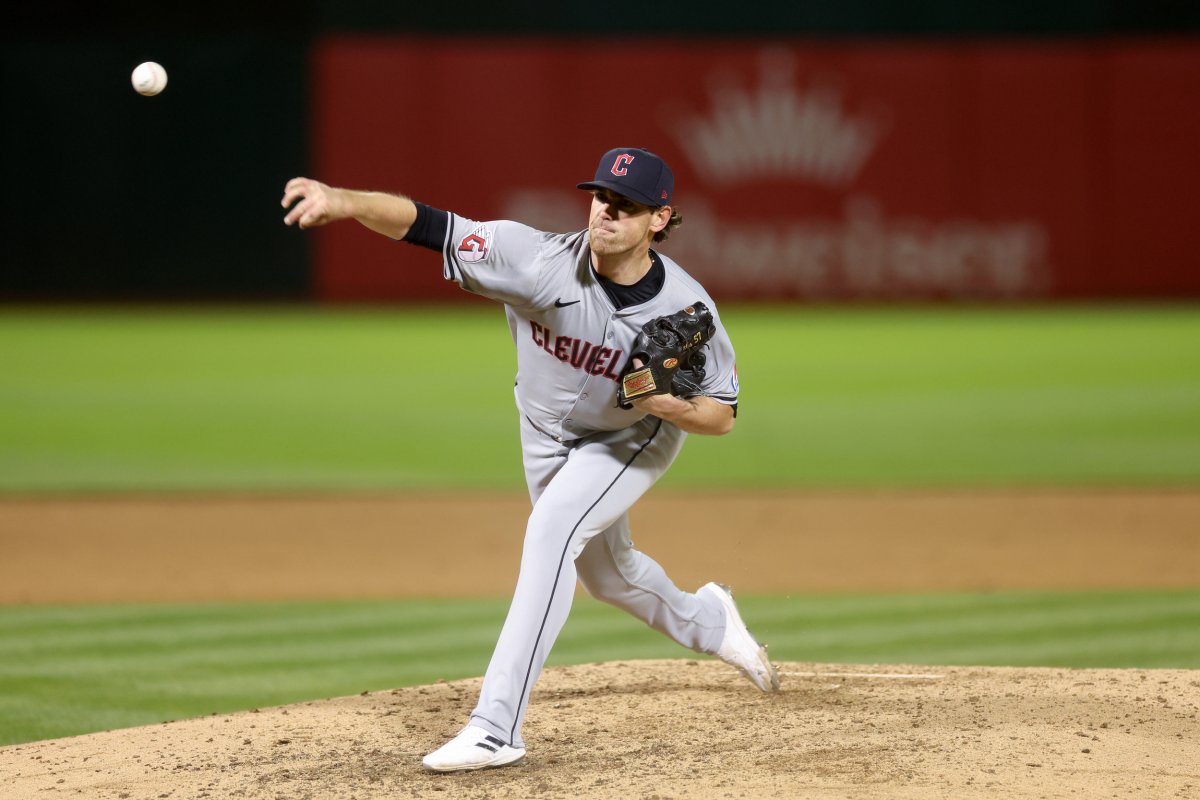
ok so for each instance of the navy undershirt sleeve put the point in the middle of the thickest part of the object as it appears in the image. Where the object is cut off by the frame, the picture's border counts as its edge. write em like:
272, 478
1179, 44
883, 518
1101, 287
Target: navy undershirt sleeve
429, 230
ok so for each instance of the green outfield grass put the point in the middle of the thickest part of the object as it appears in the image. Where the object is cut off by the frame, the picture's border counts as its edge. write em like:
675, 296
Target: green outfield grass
188, 399
72, 670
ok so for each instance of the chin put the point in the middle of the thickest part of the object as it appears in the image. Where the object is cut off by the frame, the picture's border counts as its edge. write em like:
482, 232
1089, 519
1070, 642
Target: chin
609, 249
604, 244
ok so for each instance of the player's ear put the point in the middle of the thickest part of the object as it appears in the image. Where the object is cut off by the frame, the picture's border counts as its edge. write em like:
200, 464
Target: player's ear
662, 216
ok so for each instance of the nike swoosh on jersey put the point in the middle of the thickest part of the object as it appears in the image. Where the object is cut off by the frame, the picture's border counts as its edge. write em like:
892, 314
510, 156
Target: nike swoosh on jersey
560, 304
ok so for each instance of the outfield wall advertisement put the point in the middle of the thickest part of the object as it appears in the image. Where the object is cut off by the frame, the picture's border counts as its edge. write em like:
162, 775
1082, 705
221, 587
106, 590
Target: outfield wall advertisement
850, 170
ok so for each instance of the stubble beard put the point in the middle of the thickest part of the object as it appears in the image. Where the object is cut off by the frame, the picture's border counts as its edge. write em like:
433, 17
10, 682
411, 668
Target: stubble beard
603, 243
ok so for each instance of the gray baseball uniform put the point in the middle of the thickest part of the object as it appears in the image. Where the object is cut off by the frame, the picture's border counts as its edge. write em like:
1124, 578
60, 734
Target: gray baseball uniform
587, 461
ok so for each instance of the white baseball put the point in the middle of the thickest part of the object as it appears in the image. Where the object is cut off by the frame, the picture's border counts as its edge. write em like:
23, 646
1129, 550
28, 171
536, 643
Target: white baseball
149, 78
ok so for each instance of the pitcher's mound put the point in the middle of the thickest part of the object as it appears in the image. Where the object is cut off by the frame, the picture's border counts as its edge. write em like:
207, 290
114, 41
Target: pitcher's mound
676, 729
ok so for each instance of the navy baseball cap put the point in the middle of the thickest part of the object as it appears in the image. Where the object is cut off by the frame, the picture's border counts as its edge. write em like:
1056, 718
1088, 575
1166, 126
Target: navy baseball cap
635, 173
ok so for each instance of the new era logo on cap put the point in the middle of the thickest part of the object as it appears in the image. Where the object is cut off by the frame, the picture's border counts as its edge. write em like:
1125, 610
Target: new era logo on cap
636, 173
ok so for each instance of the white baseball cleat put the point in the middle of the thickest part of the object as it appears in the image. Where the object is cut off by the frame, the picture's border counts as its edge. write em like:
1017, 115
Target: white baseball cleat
472, 748
738, 648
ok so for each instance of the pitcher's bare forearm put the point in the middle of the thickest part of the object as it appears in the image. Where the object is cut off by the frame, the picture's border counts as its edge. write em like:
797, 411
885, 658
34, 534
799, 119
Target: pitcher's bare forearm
700, 414
313, 204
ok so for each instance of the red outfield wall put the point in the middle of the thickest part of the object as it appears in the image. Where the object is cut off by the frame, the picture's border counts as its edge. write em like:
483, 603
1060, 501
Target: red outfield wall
803, 170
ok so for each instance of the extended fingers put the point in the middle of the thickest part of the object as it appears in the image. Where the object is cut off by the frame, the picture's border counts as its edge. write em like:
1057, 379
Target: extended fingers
296, 187
307, 200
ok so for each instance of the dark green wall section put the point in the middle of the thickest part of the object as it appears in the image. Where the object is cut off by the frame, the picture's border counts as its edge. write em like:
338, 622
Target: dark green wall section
113, 195
798, 17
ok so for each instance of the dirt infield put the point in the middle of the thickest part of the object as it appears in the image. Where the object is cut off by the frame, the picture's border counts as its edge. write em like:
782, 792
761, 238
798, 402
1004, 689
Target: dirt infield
205, 548
665, 729
604, 731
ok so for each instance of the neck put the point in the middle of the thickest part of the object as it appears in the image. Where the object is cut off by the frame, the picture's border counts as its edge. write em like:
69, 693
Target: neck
624, 268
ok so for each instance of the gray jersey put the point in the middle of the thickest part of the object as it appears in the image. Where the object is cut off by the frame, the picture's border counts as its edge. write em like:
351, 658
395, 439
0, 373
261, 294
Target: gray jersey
572, 343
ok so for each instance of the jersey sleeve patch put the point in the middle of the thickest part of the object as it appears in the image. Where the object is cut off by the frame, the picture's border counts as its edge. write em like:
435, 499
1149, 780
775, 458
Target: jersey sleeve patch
476, 245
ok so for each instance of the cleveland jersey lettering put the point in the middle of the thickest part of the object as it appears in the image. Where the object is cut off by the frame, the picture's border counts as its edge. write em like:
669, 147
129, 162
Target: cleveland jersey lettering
580, 354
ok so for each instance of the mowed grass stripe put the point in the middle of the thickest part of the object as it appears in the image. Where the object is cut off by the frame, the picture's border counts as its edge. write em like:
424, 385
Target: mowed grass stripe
253, 399
816, 619
326, 399
1133, 629
236, 651
195, 660
964, 396
834, 613
249, 624
191, 678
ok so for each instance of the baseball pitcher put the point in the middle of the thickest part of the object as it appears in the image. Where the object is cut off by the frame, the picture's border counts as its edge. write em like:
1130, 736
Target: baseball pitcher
620, 355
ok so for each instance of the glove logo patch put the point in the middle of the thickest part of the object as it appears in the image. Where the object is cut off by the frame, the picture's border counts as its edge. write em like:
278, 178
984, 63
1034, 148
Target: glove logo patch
639, 383
671, 363
476, 245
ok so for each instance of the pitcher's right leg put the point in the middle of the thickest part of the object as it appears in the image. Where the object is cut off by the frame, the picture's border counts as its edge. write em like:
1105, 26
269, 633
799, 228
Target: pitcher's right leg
611, 570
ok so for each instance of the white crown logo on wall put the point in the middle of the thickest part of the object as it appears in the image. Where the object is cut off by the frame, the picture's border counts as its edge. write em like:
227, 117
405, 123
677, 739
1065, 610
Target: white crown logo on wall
777, 131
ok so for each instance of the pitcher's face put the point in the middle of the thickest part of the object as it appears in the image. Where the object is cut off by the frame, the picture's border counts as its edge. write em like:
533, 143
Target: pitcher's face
618, 224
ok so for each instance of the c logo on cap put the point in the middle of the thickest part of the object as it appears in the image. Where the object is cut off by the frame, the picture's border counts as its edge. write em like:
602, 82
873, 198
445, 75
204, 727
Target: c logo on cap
619, 166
